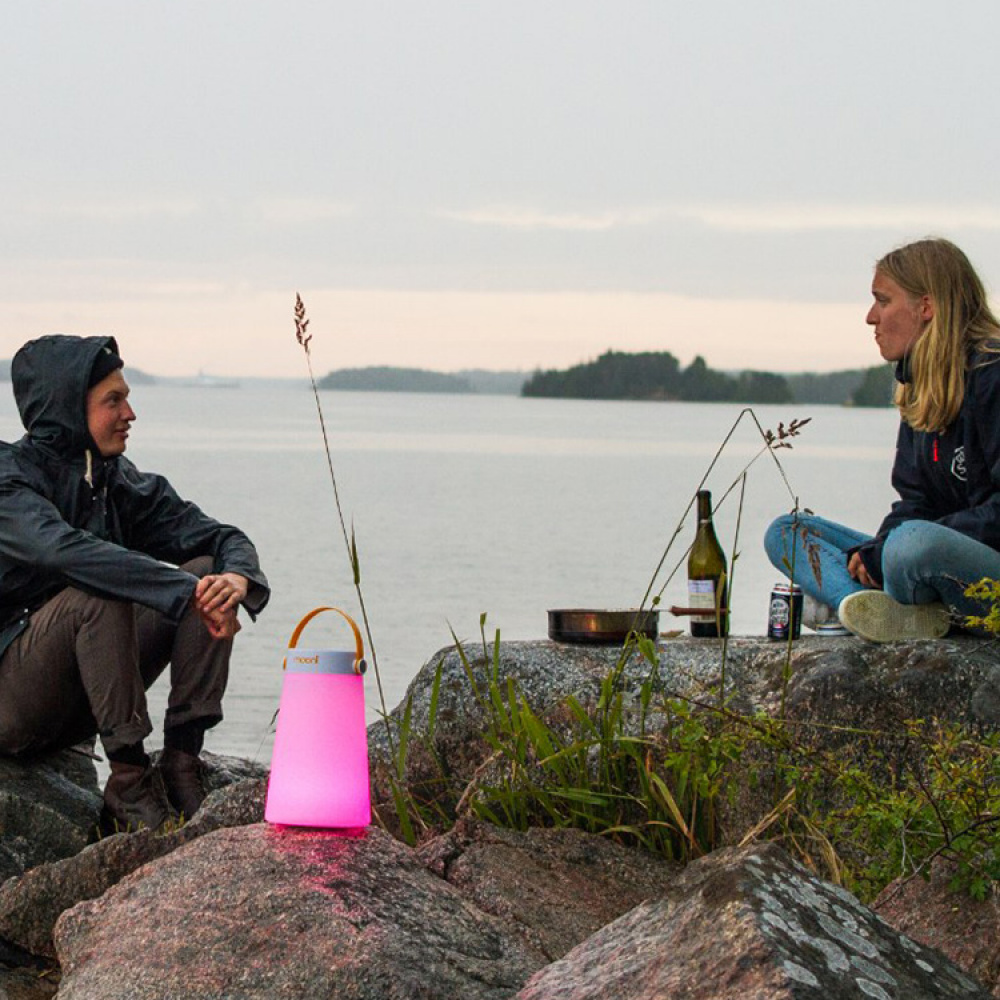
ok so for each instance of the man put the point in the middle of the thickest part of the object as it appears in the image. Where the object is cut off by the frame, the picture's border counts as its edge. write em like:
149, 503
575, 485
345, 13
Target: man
106, 576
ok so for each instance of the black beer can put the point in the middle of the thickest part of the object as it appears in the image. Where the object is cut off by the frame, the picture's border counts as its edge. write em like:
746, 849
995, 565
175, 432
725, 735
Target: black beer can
784, 613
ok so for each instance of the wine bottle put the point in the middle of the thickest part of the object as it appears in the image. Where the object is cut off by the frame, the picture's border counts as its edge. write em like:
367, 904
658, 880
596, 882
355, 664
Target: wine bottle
707, 577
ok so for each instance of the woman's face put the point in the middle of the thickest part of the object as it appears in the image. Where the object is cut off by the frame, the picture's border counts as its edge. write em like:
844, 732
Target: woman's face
899, 318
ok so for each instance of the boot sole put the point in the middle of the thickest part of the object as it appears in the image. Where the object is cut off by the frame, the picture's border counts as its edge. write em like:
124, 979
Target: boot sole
875, 616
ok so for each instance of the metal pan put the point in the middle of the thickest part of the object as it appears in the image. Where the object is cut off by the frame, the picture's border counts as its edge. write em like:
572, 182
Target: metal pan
601, 627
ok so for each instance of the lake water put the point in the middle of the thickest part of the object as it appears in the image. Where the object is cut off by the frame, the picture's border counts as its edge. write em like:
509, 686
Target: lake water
471, 504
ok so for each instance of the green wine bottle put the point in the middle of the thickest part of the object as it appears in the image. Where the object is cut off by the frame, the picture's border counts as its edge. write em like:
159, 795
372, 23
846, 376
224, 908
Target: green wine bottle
707, 577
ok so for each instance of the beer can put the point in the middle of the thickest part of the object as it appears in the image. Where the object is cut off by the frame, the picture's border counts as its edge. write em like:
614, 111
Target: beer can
784, 613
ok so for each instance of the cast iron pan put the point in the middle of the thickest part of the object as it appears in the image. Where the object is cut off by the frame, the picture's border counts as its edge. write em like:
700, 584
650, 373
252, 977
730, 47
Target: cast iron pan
598, 627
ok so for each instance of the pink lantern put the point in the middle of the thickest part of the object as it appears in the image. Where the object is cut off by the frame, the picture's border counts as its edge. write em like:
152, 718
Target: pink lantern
319, 765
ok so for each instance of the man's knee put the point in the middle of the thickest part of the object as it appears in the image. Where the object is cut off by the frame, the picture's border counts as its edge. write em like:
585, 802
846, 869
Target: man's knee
199, 566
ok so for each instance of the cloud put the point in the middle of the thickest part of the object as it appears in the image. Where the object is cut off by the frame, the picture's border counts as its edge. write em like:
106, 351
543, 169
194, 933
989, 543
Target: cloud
109, 210
298, 211
749, 218
529, 218
817, 217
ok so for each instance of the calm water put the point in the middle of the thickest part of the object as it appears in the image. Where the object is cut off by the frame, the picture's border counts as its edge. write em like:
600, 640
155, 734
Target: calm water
471, 504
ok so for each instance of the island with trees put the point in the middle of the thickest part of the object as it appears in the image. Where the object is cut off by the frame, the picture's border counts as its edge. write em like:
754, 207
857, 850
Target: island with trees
658, 375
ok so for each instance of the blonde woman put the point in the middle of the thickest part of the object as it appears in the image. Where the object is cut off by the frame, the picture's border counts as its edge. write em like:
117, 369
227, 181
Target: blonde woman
932, 320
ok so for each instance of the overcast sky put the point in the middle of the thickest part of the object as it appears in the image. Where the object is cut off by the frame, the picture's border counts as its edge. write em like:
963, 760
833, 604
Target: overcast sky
454, 183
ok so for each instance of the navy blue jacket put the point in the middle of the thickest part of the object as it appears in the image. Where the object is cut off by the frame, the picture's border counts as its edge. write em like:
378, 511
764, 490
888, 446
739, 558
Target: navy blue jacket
953, 477
69, 517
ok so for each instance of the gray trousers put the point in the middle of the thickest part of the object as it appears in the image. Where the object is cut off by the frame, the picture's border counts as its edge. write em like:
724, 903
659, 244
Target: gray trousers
84, 664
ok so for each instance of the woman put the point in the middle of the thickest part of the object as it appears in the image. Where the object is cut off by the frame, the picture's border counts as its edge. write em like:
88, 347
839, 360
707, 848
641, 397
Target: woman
931, 319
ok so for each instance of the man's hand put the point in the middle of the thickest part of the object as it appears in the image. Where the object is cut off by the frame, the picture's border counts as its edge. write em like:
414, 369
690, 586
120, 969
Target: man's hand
222, 625
216, 598
220, 592
856, 567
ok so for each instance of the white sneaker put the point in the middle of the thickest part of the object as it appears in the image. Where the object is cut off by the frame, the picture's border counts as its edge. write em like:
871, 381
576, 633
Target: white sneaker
874, 615
820, 617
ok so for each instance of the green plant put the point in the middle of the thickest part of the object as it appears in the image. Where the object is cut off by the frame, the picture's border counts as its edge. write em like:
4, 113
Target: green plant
603, 770
304, 339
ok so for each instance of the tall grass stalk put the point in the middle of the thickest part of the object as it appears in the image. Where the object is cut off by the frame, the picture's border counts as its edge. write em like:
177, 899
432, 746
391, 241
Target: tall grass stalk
772, 441
350, 542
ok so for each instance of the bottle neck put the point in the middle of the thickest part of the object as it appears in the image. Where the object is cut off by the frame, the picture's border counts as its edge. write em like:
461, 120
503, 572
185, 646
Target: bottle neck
704, 506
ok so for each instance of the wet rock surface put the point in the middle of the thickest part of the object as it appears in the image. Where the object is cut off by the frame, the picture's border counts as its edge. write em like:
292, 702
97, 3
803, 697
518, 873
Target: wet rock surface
750, 923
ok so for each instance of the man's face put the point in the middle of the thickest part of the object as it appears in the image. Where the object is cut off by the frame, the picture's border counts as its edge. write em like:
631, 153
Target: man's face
109, 415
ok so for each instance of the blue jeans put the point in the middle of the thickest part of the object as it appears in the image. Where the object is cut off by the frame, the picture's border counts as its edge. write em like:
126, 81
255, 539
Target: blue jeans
922, 561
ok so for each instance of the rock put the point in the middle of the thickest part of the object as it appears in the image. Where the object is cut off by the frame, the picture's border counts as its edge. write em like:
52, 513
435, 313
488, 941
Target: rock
931, 912
31, 903
750, 923
21, 984
554, 887
831, 680
49, 808
262, 911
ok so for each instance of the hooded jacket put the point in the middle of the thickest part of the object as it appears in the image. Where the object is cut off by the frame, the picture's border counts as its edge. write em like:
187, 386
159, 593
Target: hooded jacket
952, 478
70, 517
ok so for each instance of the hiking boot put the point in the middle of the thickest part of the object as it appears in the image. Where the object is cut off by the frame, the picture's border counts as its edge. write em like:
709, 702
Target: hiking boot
874, 615
184, 775
134, 797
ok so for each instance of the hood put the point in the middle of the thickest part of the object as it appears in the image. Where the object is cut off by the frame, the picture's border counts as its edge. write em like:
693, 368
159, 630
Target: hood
50, 377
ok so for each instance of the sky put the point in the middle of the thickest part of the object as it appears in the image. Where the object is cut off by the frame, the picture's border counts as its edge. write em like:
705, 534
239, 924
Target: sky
456, 184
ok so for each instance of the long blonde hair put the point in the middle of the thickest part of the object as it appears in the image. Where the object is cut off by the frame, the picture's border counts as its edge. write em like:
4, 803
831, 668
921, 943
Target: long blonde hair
961, 326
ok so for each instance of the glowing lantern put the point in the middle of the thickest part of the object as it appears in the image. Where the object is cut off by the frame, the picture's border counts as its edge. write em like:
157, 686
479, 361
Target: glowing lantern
319, 765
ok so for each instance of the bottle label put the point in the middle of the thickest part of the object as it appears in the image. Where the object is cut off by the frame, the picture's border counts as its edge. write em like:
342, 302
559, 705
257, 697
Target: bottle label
701, 594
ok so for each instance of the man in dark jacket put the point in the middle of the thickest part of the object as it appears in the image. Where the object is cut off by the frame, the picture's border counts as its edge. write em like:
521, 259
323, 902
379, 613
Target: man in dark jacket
106, 576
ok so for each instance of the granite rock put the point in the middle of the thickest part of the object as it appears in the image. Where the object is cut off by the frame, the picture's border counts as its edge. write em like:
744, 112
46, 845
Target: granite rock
263, 911
553, 887
751, 924
934, 913
49, 808
31, 903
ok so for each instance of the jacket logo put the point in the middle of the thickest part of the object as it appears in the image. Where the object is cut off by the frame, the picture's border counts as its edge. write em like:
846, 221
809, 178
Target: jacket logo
958, 463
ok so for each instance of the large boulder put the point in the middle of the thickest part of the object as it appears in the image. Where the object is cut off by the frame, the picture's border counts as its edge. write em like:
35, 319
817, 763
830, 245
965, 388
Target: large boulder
49, 808
842, 683
260, 911
750, 923
31, 903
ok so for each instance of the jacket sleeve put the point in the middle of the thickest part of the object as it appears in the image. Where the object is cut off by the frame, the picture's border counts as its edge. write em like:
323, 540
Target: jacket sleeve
981, 519
158, 522
34, 534
910, 506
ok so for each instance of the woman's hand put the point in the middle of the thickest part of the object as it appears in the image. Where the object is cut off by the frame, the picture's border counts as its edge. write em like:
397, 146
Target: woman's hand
856, 567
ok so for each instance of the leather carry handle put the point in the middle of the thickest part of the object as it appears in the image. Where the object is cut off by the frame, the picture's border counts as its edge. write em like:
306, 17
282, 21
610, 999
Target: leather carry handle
359, 662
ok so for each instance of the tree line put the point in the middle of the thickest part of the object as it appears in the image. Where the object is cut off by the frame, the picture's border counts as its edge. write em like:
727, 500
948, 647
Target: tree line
658, 375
